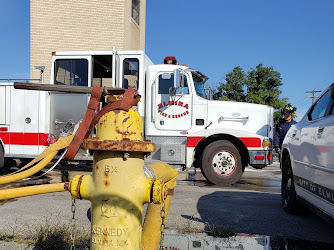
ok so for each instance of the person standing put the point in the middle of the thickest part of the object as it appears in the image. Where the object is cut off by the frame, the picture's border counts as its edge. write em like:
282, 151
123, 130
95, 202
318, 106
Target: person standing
283, 126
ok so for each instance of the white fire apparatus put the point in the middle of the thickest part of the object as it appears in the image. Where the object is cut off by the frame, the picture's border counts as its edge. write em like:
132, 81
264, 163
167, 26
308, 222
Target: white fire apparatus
188, 128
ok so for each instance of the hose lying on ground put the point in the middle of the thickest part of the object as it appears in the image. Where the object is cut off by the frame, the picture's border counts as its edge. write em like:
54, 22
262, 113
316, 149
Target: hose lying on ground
27, 191
42, 160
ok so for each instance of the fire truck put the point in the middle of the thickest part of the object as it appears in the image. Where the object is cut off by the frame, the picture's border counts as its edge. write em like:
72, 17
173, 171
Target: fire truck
179, 116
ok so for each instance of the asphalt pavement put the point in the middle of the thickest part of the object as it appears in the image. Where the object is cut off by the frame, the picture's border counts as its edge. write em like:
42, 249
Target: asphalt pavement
251, 206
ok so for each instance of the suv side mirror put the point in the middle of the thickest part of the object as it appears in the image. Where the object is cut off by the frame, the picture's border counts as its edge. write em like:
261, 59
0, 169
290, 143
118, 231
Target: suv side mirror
331, 91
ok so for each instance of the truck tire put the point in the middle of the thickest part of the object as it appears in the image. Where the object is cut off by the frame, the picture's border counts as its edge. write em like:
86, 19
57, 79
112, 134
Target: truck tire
221, 163
2, 159
5, 164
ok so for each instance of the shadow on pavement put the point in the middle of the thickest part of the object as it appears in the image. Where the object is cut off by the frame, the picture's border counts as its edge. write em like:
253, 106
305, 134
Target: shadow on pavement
259, 213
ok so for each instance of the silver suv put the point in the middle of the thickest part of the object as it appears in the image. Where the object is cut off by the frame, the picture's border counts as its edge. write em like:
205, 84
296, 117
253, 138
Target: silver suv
308, 159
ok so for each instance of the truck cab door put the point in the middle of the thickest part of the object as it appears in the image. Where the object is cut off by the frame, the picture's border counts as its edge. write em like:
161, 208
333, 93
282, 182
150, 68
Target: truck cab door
66, 109
172, 112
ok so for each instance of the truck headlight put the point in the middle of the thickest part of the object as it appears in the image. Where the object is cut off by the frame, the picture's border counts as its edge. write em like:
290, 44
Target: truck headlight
266, 143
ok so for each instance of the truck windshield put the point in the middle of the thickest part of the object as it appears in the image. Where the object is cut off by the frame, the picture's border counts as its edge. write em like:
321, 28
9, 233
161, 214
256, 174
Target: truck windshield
199, 85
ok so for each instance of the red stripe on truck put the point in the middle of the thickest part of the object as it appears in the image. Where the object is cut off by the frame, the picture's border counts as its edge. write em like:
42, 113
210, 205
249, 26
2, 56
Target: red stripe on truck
250, 142
4, 136
193, 141
31, 139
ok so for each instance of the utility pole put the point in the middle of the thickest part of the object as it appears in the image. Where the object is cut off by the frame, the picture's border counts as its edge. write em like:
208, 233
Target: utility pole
313, 94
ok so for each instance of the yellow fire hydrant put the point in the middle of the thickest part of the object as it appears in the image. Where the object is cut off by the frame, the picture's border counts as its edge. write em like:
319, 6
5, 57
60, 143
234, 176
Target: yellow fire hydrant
118, 187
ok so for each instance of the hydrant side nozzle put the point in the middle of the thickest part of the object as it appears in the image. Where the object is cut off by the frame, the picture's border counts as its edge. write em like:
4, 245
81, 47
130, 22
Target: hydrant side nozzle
80, 187
148, 195
74, 187
157, 192
86, 187
165, 192
160, 191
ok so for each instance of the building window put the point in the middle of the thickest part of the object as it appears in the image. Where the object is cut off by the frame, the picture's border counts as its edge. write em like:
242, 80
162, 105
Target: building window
135, 10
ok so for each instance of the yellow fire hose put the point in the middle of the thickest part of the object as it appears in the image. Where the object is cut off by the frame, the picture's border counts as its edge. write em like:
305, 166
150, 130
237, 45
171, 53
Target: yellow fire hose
153, 225
45, 157
33, 190
28, 172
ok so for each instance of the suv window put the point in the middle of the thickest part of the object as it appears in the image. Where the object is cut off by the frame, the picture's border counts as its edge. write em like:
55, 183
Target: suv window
319, 109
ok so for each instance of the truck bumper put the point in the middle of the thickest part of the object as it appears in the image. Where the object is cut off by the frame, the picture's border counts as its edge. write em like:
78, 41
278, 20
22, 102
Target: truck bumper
260, 157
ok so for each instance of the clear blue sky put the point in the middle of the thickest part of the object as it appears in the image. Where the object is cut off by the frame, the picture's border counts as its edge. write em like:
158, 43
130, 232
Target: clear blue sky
295, 37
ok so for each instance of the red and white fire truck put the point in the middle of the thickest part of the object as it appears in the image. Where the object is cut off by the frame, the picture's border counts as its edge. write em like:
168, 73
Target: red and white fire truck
188, 128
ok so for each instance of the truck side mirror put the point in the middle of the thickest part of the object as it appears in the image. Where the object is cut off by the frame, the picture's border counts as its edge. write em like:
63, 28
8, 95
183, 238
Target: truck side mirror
177, 78
172, 91
331, 91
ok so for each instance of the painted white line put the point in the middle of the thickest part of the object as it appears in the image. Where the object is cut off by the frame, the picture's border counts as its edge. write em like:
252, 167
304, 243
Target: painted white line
262, 170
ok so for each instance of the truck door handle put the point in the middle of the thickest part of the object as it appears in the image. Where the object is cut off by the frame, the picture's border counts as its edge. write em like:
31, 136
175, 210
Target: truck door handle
321, 129
222, 118
57, 122
294, 134
153, 102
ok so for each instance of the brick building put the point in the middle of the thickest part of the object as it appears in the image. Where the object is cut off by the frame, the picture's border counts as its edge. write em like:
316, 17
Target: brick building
64, 25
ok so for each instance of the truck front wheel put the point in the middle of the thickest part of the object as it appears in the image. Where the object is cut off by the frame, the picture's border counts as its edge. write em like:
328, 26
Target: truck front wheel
221, 163
2, 159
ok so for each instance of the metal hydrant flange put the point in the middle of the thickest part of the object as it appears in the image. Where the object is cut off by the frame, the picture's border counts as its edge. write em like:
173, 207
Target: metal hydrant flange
160, 192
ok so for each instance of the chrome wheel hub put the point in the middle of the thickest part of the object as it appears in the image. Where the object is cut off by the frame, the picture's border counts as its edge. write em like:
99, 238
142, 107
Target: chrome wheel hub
224, 163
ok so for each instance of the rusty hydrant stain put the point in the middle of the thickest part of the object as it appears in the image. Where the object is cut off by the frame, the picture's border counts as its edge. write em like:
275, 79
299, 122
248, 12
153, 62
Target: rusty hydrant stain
106, 172
127, 118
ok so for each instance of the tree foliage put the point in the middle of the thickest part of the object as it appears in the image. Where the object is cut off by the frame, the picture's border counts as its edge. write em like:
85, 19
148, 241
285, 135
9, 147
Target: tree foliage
234, 87
260, 85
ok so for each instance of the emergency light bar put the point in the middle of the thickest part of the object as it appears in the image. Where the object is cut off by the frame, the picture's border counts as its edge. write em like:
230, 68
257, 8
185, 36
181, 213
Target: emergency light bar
170, 60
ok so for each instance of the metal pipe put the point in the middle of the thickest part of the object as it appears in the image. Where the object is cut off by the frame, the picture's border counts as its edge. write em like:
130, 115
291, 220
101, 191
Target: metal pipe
11, 80
33, 190
51, 87
64, 88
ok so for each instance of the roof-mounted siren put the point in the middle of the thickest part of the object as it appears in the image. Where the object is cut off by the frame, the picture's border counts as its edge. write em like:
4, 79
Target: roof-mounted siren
170, 60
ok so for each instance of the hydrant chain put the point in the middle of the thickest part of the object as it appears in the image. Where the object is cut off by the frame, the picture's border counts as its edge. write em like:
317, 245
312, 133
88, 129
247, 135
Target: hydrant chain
73, 208
162, 226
